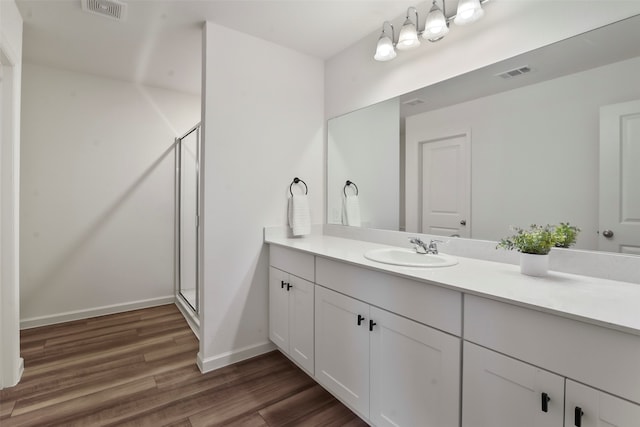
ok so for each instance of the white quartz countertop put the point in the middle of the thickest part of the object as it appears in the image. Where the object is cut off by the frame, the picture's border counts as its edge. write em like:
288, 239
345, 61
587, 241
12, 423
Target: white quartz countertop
602, 302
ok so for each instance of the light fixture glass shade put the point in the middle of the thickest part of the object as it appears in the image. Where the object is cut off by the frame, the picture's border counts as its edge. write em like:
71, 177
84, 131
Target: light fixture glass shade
468, 11
436, 26
408, 38
385, 50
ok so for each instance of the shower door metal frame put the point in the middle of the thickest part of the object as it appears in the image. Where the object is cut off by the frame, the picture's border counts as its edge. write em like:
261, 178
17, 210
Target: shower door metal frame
178, 213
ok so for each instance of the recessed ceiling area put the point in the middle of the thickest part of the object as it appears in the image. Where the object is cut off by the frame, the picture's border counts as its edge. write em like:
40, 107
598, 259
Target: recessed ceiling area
159, 42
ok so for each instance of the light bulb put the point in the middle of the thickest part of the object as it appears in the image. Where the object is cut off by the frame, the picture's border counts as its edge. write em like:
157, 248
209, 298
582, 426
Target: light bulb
436, 26
408, 38
384, 50
468, 11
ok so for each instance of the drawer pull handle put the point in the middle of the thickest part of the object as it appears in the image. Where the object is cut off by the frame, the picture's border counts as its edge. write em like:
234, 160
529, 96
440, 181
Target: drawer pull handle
545, 402
577, 416
289, 286
360, 319
371, 325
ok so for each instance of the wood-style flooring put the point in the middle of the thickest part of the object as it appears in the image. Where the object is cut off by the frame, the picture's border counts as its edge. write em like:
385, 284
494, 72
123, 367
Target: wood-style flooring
138, 369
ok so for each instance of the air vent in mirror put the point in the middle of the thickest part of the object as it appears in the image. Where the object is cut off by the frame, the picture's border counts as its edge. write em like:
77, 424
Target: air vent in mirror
413, 102
515, 72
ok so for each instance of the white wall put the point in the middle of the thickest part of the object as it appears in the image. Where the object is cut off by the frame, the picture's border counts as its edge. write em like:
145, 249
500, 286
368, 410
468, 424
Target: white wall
508, 28
534, 151
263, 125
365, 148
11, 365
97, 194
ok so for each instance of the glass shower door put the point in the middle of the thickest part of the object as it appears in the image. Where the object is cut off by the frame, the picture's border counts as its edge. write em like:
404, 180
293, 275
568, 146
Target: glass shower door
188, 162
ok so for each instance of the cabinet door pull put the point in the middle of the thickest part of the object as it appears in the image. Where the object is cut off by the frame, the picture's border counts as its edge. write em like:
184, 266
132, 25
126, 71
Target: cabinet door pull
289, 286
545, 402
360, 319
282, 284
577, 416
371, 324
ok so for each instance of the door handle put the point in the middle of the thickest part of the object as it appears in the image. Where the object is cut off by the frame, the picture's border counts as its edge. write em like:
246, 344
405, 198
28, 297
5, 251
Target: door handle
282, 284
577, 416
545, 402
463, 222
360, 319
289, 286
371, 325
607, 233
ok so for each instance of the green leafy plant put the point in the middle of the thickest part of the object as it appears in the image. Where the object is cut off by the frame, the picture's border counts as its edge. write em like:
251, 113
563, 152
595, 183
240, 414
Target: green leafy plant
537, 240
566, 235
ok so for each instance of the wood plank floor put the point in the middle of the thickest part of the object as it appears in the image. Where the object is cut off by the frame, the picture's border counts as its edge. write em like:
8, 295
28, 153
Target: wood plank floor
138, 369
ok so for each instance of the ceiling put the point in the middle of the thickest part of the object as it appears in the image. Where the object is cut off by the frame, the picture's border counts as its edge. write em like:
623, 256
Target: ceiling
159, 43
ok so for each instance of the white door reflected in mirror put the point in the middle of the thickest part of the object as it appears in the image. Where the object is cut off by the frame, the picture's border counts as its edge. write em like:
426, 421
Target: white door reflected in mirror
619, 177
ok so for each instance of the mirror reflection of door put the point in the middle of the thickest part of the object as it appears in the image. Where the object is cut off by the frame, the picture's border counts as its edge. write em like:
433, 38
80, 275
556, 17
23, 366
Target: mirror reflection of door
444, 182
619, 219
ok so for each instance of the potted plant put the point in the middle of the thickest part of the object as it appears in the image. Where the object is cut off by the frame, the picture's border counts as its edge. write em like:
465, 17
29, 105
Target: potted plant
566, 235
534, 245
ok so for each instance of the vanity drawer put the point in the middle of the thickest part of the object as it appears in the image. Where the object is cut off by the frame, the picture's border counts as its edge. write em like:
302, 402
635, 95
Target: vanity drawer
603, 358
431, 305
294, 262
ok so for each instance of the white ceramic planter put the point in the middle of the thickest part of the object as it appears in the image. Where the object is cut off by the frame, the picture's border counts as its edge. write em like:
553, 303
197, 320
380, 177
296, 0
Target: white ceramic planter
534, 265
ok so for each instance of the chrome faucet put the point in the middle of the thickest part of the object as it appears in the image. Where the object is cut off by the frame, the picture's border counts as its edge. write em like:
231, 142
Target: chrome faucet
423, 248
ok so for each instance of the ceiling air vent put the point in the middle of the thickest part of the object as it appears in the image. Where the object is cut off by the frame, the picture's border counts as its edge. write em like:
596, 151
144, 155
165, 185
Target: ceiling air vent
413, 102
515, 72
108, 8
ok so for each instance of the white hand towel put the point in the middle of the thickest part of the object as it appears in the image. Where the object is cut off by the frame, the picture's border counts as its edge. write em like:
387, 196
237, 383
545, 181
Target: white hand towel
351, 211
299, 215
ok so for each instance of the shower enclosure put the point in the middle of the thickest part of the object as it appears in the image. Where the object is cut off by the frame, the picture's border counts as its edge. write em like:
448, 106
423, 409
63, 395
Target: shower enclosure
187, 208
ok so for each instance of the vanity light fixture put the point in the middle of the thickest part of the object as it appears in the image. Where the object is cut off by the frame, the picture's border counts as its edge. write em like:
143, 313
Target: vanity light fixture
435, 28
385, 51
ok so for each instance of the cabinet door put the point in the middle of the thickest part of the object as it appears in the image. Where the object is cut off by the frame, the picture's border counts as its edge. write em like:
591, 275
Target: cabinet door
499, 391
301, 332
597, 409
415, 374
342, 347
279, 308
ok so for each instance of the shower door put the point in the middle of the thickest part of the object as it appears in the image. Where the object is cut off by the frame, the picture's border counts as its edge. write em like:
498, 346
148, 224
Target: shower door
187, 180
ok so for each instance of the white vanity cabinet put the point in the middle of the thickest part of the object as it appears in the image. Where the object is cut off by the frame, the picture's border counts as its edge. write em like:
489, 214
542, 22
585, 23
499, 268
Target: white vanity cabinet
291, 305
291, 316
392, 370
499, 391
415, 373
401, 351
342, 347
588, 407
595, 381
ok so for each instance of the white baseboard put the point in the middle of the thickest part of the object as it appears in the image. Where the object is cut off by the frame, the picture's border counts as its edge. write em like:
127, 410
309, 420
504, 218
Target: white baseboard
69, 316
221, 360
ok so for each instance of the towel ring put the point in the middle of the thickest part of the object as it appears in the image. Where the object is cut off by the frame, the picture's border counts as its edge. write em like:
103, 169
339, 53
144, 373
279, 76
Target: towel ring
297, 180
344, 189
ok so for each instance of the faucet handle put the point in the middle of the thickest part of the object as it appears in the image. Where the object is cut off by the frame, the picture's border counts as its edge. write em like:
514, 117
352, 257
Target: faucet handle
433, 247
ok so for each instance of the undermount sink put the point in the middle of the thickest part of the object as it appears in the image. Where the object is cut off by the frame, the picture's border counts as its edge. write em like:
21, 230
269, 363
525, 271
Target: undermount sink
409, 258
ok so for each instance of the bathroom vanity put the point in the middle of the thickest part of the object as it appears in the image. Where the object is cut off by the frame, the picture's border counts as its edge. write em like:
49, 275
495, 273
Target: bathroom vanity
475, 344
